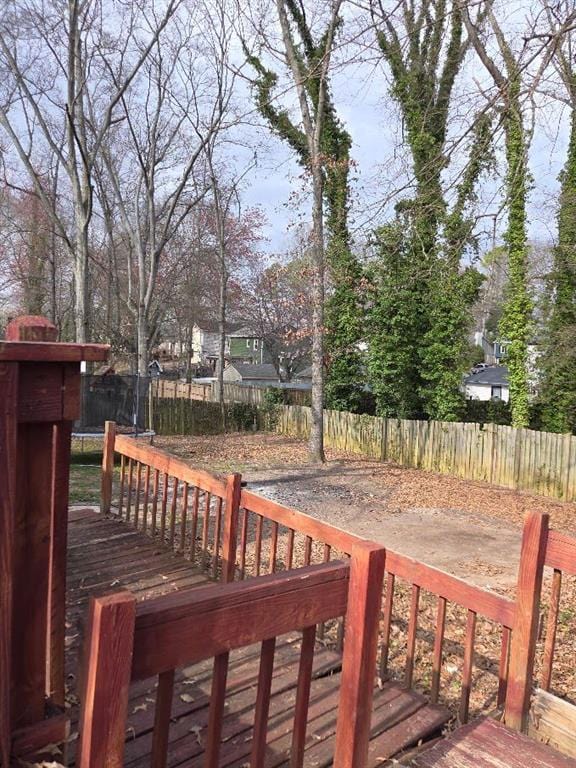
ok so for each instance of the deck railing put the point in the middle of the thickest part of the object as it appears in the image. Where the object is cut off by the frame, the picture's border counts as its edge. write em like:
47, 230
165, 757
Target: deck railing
237, 534
128, 642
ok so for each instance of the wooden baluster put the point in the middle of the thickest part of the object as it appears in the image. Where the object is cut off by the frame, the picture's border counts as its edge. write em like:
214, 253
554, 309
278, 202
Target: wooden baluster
273, 547
525, 630
326, 559
164, 507
262, 707
243, 543
162, 715
290, 549
137, 494
503, 666
216, 713
107, 467
302, 697
130, 481
217, 531
258, 544
122, 483
308, 550
467, 667
367, 565
411, 641
108, 658
173, 510
206, 523
194, 528
437, 653
183, 515
146, 500
388, 608
155, 500
551, 628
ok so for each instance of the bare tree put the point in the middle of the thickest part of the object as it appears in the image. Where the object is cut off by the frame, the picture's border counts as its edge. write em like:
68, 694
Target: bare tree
155, 158
52, 57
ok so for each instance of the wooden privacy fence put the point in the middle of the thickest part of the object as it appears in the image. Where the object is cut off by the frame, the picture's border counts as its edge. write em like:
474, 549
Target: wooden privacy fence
237, 534
541, 462
233, 393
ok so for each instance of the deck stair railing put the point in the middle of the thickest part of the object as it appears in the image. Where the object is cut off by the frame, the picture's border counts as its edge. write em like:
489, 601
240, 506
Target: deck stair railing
128, 642
264, 537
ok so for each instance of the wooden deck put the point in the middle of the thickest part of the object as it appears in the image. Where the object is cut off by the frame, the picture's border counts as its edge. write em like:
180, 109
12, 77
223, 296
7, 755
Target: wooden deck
104, 555
486, 743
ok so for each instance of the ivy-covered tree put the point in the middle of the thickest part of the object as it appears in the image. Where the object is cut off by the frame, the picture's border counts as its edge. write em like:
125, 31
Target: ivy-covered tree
424, 47
515, 324
343, 316
558, 393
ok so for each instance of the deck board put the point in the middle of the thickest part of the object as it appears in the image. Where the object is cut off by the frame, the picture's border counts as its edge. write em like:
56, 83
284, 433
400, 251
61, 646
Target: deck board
486, 743
106, 555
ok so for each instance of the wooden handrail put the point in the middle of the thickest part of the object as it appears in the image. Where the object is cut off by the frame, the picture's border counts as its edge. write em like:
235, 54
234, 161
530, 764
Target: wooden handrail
262, 532
128, 642
188, 627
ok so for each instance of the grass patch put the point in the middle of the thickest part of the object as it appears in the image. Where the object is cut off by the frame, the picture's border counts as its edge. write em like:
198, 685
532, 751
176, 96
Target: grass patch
84, 483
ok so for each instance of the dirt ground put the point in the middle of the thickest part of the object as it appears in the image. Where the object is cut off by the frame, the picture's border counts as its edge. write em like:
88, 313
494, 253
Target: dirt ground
467, 528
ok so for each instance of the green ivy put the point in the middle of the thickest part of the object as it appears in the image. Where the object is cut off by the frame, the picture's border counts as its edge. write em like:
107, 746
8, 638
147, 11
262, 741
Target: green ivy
559, 360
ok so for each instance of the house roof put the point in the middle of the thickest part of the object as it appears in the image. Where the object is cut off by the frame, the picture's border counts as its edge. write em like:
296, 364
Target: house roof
213, 326
495, 375
305, 373
265, 371
244, 332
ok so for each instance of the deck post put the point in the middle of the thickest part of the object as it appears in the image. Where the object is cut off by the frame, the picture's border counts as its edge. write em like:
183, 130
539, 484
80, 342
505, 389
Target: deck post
109, 646
107, 467
230, 535
525, 630
367, 563
39, 401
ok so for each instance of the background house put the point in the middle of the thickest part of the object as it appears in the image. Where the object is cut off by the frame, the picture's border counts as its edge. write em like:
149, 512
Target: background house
488, 384
248, 373
244, 345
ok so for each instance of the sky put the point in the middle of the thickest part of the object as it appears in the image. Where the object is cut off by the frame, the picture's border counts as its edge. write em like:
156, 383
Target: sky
361, 93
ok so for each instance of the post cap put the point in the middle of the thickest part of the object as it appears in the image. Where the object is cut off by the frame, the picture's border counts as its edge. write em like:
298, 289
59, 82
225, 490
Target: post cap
31, 328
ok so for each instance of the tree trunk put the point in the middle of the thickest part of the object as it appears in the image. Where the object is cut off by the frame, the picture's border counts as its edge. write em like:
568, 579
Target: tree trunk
316, 444
142, 352
222, 344
81, 283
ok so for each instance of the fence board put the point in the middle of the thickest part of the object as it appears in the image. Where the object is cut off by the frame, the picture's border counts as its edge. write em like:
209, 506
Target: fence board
523, 459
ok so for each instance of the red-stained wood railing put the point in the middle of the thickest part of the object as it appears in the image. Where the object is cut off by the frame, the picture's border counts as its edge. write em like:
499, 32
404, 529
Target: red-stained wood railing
273, 538
129, 642
560, 555
265, 537
191, 511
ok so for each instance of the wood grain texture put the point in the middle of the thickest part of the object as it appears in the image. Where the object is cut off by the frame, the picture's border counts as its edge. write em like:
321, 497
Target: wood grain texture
525, 632
8, 433
162, 715
302, 697
561, 552
262, 708
230, 534
31, 570
367, 565
30, 351
56, 629
107, 467
185, 628
108, 658
486, 743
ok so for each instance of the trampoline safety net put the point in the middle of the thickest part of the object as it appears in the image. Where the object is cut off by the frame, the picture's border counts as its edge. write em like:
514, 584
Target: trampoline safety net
110, 397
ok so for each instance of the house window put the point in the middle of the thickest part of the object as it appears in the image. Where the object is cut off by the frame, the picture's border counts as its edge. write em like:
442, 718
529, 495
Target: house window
496, 393
248, 343
255, 343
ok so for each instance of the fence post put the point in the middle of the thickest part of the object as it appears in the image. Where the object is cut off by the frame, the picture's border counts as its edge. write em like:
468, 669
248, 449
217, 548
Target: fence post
107, 467
230, 534
108, 658
525, 630
367, 564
